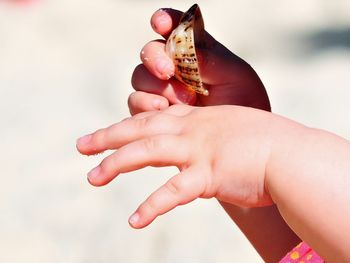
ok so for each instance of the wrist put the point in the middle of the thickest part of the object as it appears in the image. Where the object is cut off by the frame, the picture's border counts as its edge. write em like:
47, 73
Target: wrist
287, 139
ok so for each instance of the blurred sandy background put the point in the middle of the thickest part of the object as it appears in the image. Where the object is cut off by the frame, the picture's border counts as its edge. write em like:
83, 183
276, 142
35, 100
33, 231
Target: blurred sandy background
65, 68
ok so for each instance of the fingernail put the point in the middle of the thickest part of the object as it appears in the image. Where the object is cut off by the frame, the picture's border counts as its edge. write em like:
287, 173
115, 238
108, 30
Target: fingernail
164, 68
161, 65
94, 173
134, 219
85, 139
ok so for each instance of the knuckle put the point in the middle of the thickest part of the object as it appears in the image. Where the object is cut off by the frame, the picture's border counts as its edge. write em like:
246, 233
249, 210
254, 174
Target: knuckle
143, 123
107, 165
99, 136
173, 187
106, 170
163, 143
110, 166
150, 123
150, 205
149, 144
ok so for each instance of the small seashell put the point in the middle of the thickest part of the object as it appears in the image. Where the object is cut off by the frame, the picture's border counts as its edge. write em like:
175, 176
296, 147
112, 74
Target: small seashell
181, 48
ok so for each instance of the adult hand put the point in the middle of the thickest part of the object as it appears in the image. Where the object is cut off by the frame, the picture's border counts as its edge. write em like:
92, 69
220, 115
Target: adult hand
229, 79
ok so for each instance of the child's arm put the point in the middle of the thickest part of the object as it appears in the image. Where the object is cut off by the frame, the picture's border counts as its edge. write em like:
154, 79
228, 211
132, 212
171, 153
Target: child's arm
309, 180
241, 156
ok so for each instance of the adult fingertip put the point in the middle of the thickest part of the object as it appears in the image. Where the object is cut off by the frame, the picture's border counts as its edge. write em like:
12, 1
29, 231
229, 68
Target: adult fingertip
155, 59
161, 21
165, 68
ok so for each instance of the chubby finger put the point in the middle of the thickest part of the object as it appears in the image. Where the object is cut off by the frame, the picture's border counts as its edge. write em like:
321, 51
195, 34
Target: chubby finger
164, 20
179, 190
140, 101
174, 91
126, 131
160, 150
155, 59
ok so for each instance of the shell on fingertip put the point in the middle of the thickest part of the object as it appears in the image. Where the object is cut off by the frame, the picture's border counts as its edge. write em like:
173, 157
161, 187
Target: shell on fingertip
181, 48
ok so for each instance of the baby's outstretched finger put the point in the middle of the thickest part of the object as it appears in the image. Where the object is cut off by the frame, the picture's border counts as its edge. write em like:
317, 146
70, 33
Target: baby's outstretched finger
128, 130
160, 150
179, 190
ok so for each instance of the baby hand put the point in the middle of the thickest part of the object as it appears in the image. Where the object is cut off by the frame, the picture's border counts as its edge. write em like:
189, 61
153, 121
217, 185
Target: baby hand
221, 151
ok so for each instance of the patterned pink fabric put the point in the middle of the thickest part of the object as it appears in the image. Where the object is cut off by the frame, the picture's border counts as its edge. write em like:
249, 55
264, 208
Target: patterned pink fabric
302, 253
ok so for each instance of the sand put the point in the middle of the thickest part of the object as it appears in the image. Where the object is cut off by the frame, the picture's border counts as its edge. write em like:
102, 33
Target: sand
65, 69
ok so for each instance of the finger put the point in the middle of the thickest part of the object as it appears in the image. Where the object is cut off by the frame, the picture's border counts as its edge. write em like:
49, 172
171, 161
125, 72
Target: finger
216, 61
173, 90
128, 130
164, 20
160, 150
210, 54
179, 190
146, 104
156, 60
140, 101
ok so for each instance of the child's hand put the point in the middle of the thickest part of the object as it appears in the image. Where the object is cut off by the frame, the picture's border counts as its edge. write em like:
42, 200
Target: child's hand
220, 151
229, 79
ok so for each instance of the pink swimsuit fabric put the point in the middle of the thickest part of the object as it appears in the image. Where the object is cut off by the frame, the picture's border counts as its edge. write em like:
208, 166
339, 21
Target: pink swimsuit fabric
302, 253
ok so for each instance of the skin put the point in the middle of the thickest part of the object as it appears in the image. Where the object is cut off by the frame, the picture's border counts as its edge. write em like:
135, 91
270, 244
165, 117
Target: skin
239, 155
230, 80
249, 159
